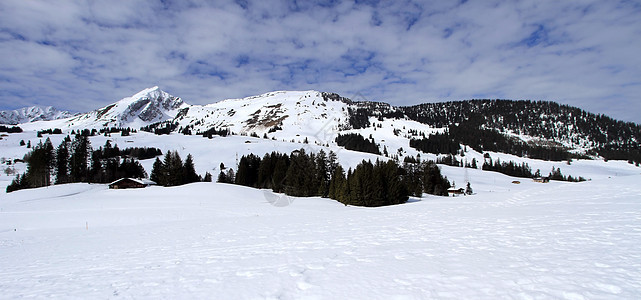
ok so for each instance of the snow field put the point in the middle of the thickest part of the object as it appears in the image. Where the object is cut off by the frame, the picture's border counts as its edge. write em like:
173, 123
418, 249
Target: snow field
562, 240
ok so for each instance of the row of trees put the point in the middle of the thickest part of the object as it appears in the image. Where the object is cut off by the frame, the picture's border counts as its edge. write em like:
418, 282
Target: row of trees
369, 184
509, 168
356, 142
523, 170
172, 171
12, 129
481, 139
75, 161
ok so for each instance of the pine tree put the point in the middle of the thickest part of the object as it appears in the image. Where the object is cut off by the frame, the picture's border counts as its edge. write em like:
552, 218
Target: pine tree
207, 177
247, 173
62, 163
81, 148
222, 177
468, 189
280, 173
189, 171
158, 172
173, 168
336, 183
230, 175
50, 158
17, 183
322, 174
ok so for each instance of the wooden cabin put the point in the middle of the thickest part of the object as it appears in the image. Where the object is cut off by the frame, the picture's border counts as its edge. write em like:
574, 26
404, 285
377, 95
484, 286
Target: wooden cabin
541, 179
130, 183
455, 191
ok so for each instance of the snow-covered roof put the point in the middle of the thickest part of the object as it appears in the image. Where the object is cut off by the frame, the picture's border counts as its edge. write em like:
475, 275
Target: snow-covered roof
138, 180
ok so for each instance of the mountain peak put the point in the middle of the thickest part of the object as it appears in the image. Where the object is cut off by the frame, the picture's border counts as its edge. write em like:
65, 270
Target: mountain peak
152, 92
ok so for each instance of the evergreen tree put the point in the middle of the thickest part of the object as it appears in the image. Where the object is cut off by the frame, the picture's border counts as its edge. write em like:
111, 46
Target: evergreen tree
230, 175
50, 158
280, 173
222, 177
81, 147
247, 174
158, 172
189, 171
36, 175
17, 183
130, 167
322, 174
207, 177
62, 163
336, 183
173, 169
468, 189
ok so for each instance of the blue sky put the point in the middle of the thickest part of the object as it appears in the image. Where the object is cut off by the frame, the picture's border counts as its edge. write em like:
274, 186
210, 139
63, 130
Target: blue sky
81, 55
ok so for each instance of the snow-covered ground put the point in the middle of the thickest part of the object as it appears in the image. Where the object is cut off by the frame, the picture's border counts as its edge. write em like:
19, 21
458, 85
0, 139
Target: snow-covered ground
209, 240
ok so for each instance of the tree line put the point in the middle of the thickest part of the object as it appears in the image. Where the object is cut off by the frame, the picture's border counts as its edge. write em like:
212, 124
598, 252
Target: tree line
301, 174
12, 129
172, 171
481, 139
523, 170
76, 161
356, 142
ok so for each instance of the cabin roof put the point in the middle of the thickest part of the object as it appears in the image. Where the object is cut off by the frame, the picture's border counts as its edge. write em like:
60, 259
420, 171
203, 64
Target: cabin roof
143, 181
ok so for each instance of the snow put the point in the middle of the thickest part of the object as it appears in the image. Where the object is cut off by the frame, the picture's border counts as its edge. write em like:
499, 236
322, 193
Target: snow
557, 240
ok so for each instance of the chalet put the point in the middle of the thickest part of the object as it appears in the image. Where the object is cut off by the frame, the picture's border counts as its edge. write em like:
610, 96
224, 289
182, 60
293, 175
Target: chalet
541, 179
130, 183
455, 191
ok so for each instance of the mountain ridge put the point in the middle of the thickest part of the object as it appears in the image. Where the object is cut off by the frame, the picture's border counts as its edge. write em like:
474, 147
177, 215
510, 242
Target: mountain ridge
32, 114
542, 129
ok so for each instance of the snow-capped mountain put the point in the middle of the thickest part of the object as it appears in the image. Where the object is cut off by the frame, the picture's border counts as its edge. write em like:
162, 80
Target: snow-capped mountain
300, 113
535, 129
31, 114
145, 107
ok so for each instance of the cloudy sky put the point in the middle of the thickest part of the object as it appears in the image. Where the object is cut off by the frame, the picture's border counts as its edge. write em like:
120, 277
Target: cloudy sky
81, 55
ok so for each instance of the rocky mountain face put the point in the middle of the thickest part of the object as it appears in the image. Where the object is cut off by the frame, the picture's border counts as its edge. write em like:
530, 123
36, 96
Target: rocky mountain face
145, 107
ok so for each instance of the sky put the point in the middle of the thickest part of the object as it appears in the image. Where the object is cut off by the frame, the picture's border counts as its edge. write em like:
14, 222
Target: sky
82, 55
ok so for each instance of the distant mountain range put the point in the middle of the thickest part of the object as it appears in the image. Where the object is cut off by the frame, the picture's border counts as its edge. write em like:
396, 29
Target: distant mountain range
31, 114
537, 129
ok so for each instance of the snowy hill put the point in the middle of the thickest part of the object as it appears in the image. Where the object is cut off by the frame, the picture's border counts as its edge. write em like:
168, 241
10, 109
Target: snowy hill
32, 114
295, 114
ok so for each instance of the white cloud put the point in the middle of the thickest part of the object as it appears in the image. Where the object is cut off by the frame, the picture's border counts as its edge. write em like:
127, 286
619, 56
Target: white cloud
82, 55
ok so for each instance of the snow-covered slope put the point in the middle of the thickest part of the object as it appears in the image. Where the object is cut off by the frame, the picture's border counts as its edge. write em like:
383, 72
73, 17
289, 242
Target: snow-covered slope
31, 114
290, 113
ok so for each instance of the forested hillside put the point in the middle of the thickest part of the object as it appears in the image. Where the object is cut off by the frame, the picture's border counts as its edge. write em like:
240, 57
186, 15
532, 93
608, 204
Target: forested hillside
553, 130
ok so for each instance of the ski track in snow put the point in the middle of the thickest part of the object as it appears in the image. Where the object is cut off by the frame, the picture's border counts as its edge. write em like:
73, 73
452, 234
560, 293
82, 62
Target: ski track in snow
567, 241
